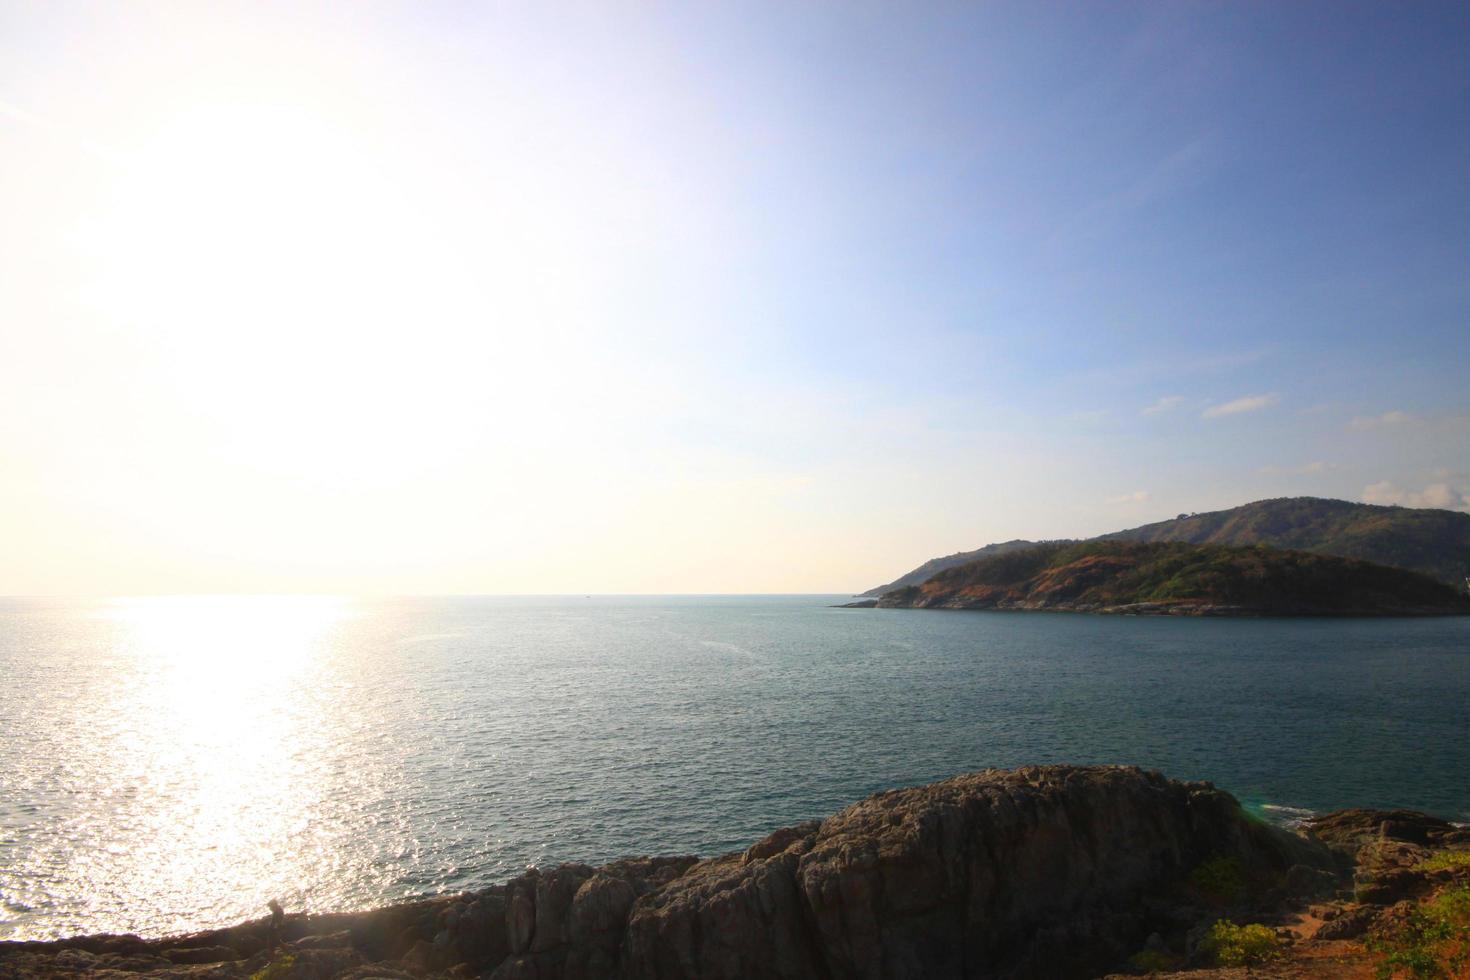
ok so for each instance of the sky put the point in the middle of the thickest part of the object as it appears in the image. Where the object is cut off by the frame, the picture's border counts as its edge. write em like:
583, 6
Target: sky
641, 297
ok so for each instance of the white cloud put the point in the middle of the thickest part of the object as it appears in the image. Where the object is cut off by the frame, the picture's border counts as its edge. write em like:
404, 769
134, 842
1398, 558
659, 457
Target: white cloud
1440, 495
1250, 403
1394, 417
1136, 497
1165, 404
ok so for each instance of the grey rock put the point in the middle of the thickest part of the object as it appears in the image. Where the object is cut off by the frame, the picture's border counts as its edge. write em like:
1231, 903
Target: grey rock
202, 954
600, 910
1349, 924
520, 913
554, 893
725, 919
1306, 882
998, 873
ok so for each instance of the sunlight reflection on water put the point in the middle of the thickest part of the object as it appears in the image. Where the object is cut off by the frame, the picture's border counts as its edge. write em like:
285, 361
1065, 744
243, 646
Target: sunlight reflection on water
230, 735
218, 727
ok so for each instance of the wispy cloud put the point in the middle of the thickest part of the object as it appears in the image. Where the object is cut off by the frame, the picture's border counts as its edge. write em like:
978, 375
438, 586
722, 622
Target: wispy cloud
1136, 497
1249, 403
1440, 495
1395, 417
1165, 404
1181, 168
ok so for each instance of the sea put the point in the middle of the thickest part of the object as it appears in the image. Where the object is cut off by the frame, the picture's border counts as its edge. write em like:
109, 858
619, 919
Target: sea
171, 764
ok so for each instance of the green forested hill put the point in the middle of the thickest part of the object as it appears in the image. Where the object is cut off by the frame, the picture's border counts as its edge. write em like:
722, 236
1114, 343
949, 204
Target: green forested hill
934, 566
1434, 542
1175, 576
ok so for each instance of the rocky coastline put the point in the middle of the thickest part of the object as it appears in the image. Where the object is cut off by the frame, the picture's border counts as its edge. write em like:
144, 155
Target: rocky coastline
1044, 871
1179, 608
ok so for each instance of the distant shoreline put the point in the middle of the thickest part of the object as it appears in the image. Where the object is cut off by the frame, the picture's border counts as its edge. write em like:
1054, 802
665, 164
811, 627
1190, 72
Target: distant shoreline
1180, 610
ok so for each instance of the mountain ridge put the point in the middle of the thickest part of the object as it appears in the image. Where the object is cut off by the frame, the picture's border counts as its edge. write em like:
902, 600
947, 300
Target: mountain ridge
1430, 541
1180, 578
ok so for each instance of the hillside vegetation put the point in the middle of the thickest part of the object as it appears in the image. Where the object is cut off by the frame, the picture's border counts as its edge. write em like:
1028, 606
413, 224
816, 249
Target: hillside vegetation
1433, 542
1178, 577
934, 566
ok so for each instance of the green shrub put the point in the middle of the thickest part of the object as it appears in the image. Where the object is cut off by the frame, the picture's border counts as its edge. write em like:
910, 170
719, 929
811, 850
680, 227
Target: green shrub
1432, 942
1248, 945
1220, 878
1445, 861
1153, 961
278, 969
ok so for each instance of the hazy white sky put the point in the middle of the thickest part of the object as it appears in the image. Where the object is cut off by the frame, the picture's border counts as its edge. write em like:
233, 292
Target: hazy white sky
709, 298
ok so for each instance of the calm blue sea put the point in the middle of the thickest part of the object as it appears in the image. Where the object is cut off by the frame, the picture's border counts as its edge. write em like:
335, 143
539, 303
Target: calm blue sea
170, 764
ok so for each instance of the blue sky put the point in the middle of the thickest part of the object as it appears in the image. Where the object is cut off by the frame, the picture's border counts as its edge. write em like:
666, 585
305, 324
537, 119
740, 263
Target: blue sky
782, 297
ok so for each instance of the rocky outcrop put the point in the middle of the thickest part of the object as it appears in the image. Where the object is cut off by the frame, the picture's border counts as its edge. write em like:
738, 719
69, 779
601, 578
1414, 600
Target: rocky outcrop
1387, 851
1034, 872
1050, 871
569, 922
1348, 831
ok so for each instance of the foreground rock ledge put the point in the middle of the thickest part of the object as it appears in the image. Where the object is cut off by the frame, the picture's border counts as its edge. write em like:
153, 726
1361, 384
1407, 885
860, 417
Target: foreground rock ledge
1043, 871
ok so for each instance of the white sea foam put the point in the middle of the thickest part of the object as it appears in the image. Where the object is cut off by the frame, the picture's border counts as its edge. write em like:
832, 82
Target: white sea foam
1291, 816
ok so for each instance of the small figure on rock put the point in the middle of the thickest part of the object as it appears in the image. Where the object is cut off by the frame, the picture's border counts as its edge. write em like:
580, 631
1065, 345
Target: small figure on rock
278, 917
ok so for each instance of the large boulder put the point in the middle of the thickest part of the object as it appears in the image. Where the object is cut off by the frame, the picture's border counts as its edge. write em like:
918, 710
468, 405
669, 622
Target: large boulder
741, 915
1349, 831
1042, 871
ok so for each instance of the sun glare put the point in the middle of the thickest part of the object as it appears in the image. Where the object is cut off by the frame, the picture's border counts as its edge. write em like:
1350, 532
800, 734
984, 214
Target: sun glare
219, 664
274, 216
197, 631
224, 737
301, 273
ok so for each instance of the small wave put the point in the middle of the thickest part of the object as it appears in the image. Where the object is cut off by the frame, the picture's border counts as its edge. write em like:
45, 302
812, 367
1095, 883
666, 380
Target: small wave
1290, 816
733, 648
427, 638
1283, 808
